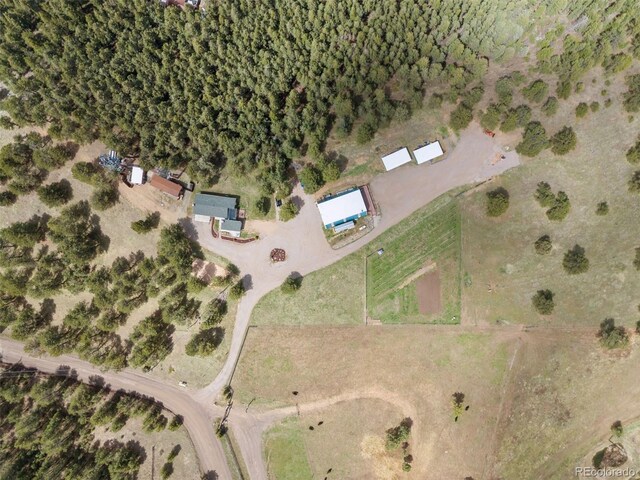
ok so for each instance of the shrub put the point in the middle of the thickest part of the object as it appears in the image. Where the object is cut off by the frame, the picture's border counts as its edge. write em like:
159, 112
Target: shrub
636, 260
166, 471
543, 245
563, 141
205, 342
563, 89
86, 172
633, 154
632, 96
550, 107
536, 91
504, 89
288, 210
544, 195
311, 178
291, 284
491, 118
55, 194
616, 428
396, 436
329, 169
560, 208
594, 106
543, 302
516, 117
262, 206
104, 197
6, 123
237, 290
582, 109
533, 141
461, 117
575, 261
7, 198
365, 132
602, 208
612, 336
175, 423
634, 182
147, 224
497, 202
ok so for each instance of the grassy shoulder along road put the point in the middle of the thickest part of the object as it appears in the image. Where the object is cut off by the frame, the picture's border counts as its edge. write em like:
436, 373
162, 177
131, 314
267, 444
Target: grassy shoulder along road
335, 294
285, 452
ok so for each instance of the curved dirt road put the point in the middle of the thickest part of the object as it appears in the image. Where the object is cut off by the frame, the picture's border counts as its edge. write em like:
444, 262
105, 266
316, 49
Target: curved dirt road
198, 419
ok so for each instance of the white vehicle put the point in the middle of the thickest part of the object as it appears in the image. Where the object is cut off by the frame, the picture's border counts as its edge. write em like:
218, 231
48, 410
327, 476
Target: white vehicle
182, 383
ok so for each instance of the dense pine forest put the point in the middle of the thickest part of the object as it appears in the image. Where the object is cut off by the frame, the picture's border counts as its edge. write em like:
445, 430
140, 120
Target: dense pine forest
251, 84
47, 427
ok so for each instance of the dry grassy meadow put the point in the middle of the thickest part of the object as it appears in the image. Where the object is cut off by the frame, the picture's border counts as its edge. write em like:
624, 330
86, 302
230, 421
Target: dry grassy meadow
414, 370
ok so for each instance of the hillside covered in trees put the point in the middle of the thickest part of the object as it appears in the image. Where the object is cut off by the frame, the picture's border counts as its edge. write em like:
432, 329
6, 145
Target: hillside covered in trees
47, 427
250, 83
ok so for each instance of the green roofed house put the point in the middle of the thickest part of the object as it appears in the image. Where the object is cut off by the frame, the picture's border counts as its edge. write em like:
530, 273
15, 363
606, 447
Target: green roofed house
210, 207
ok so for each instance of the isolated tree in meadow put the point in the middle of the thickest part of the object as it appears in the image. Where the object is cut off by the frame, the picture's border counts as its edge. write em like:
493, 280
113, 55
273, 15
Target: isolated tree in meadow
544, 195
291, 284
87, 172
104, 197
533, 141
560, 208
55, 194
205, 342
575, 261
396, 436
329, 169
543, 245
563, 141
612, 336
582, 109
497, 202
148, 223
213, 313
543, 302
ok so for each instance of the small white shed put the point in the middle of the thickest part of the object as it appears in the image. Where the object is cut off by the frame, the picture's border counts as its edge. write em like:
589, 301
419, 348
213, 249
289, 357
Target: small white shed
428, 152
136, 177
397, 158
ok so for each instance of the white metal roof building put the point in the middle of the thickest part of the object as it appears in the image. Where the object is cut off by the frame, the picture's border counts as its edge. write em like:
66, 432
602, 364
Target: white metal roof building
342, 208
137, 176
397, 158
428, 152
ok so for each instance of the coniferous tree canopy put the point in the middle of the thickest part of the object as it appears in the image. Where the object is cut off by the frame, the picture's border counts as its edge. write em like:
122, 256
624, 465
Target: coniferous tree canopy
243, 84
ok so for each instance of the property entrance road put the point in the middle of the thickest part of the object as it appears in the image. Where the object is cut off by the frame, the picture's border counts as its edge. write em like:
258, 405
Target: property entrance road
398, 193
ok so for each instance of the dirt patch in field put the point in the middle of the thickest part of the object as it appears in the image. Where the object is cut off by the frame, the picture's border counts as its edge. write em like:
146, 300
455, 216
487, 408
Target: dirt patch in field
428, 292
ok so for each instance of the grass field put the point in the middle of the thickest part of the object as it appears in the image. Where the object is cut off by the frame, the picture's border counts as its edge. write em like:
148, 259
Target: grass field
430, 236
285, 452
412, 370
566, 392
502, 270
247, 189
345, 439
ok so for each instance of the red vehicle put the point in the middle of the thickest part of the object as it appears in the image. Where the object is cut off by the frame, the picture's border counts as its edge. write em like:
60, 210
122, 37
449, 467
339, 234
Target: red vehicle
490, 133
